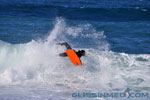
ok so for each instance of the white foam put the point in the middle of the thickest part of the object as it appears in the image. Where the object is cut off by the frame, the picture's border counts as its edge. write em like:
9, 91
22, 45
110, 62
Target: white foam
38, 62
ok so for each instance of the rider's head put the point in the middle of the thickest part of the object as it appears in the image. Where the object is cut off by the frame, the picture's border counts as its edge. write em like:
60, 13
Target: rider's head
83, 52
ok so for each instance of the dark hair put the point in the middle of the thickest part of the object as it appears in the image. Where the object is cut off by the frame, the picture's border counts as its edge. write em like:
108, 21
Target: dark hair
83, 51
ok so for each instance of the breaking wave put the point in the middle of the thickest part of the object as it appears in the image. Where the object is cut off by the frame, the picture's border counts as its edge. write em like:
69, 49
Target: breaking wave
38, 62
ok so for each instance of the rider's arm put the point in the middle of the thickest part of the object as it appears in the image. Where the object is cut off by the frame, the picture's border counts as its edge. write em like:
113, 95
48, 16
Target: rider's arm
66, 44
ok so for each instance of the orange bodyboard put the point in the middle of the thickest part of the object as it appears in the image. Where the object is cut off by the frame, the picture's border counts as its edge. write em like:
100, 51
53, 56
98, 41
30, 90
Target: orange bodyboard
73, 57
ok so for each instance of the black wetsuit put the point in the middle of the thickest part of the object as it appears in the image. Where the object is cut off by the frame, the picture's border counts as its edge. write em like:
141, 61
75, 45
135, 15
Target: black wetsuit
79, 53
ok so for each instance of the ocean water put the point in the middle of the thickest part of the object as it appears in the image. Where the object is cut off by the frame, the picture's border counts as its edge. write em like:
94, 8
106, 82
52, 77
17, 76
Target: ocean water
114, 33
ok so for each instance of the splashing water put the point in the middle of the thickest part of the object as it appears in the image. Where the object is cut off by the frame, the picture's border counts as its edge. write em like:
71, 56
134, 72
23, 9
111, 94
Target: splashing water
36, 70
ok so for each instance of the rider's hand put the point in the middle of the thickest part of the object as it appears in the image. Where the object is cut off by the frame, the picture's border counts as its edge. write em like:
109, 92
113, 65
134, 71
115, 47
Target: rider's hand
58, 43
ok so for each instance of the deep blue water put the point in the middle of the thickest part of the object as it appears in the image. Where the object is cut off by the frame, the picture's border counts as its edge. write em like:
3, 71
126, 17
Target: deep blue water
114, 33
126, 24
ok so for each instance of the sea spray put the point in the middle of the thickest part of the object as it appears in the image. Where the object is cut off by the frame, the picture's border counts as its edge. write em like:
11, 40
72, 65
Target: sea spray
38, 62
